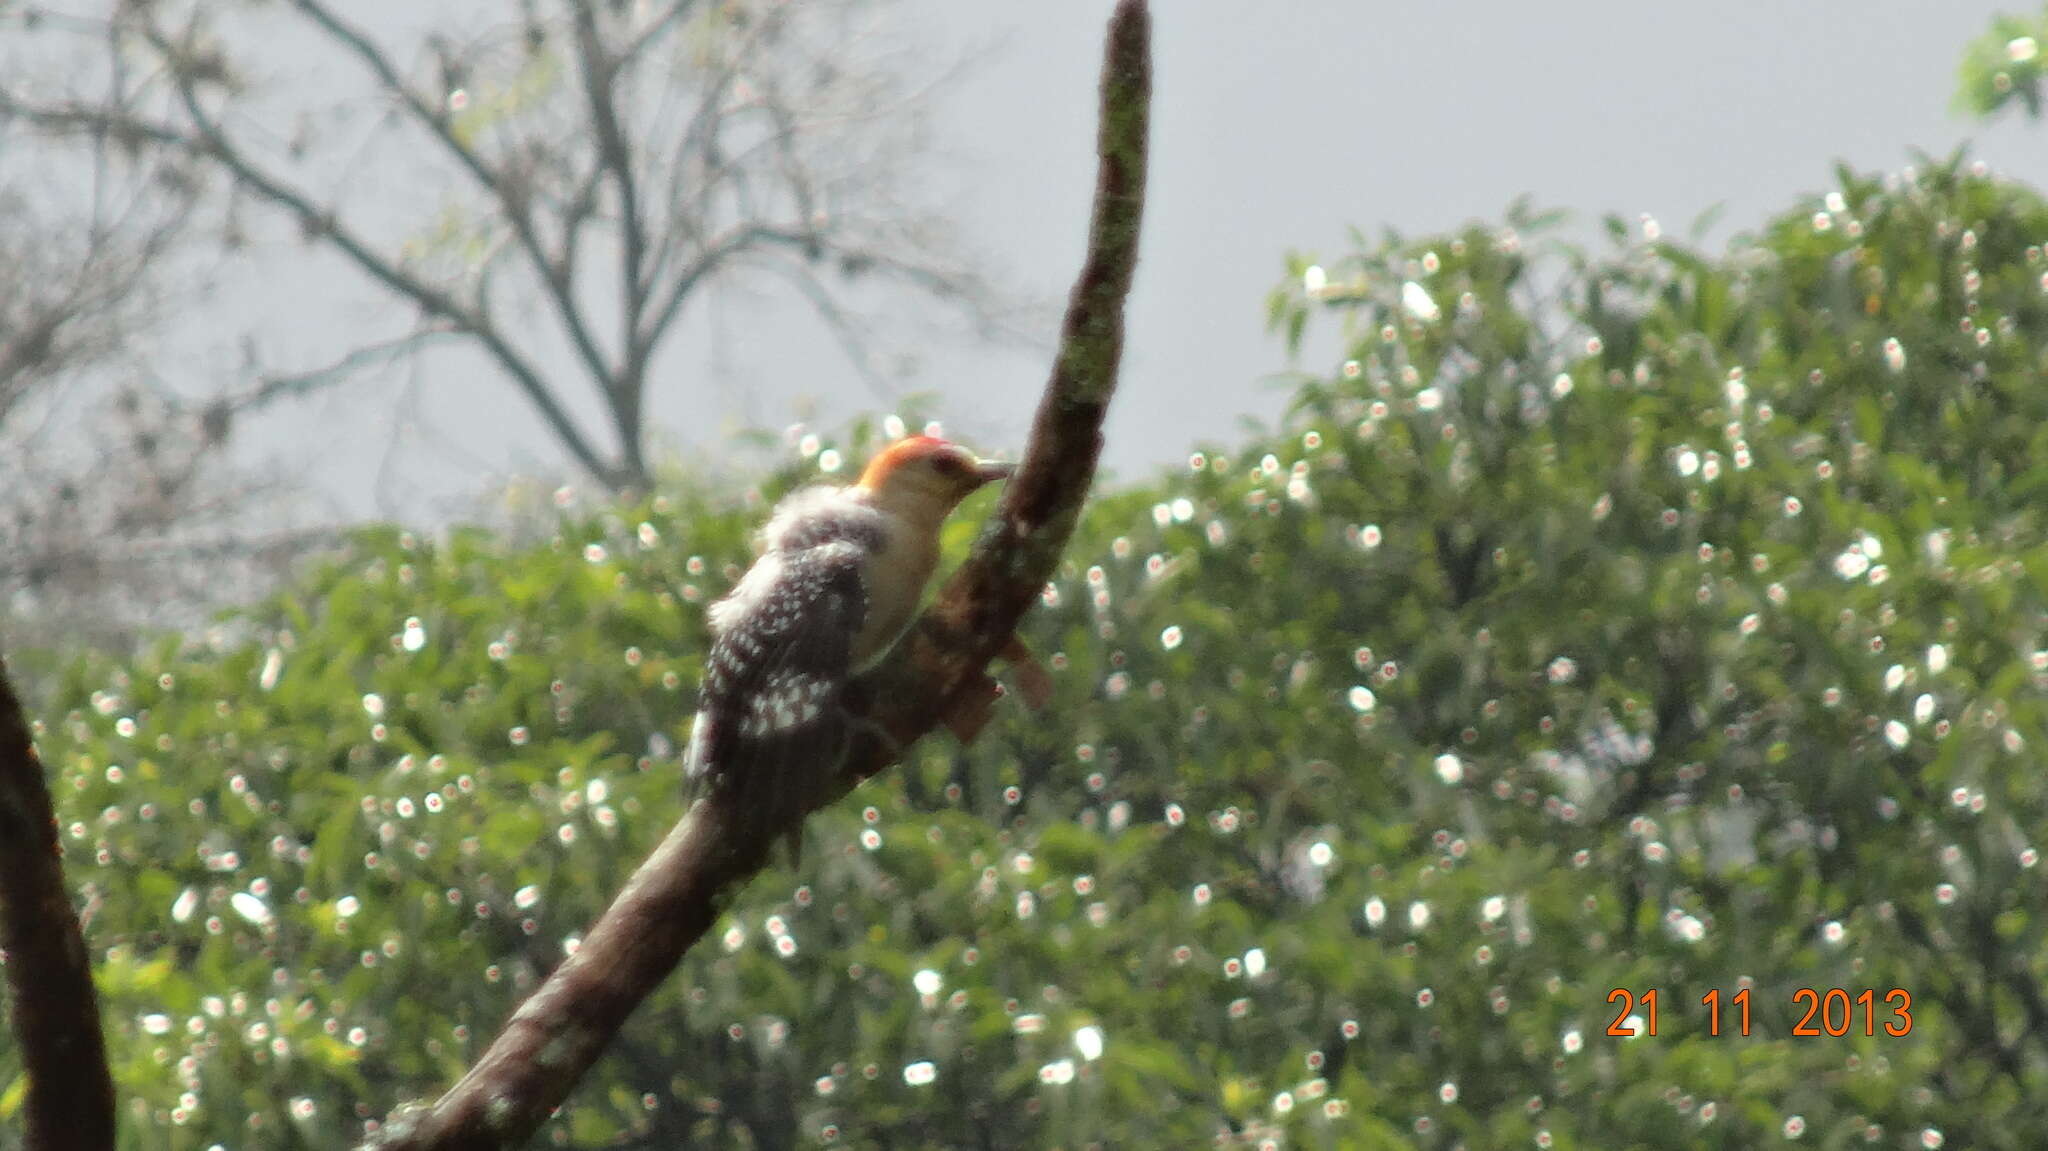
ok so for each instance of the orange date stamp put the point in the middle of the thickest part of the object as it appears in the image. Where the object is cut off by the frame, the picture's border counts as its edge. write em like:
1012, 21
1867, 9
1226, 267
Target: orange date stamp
1832, 1012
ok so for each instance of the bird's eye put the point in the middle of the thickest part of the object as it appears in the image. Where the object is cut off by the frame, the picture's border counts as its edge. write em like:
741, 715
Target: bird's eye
950, 465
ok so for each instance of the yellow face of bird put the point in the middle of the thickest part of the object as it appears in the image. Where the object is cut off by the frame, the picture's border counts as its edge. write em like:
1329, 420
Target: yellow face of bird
928, 471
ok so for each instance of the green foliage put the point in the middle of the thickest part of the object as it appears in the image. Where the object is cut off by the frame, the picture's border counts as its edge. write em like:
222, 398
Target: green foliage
2003, 67
1640, 619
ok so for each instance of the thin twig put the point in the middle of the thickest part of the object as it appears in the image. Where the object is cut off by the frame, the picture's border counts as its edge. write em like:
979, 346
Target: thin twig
278, 385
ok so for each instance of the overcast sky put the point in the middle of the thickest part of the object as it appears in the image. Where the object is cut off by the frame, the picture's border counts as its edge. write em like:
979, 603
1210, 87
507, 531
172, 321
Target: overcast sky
1277, 126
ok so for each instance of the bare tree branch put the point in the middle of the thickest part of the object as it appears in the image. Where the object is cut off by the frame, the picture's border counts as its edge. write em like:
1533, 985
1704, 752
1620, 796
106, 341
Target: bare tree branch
688, 200
714, 257
134, 519
56, 1017
844, 327
555, 1036
212, 144
656, 28
634, 151
628, 385
275, 386
60, 311
510, 194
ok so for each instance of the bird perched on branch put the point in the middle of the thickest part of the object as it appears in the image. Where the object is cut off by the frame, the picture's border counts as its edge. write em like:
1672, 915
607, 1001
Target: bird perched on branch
839, 581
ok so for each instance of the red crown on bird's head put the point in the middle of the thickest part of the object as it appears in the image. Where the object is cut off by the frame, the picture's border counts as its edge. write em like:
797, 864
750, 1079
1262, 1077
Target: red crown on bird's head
902, 452
951, 467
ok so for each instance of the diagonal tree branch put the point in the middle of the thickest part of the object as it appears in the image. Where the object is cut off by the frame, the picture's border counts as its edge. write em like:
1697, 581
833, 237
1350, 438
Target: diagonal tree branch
558, 1033
655, 29
49, 975
711, 260
273, 386
939, 667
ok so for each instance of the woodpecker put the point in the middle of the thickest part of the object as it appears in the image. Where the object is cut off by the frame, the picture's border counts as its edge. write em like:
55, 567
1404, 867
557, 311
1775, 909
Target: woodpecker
839, 580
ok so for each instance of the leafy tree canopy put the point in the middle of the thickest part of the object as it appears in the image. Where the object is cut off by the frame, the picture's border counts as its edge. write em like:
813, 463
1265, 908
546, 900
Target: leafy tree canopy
1637, 619
2003, 67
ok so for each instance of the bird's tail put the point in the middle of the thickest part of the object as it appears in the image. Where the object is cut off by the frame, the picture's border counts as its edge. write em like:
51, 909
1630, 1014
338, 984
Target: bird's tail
699, 779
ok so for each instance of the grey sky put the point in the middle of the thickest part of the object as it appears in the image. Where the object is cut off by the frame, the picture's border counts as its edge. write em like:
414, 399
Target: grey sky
1277, 126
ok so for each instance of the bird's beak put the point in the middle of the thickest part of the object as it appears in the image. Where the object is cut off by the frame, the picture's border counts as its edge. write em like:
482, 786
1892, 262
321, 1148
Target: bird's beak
989, 471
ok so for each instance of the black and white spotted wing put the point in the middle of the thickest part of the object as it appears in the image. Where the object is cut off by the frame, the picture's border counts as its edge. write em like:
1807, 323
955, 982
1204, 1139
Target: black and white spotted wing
771, 716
